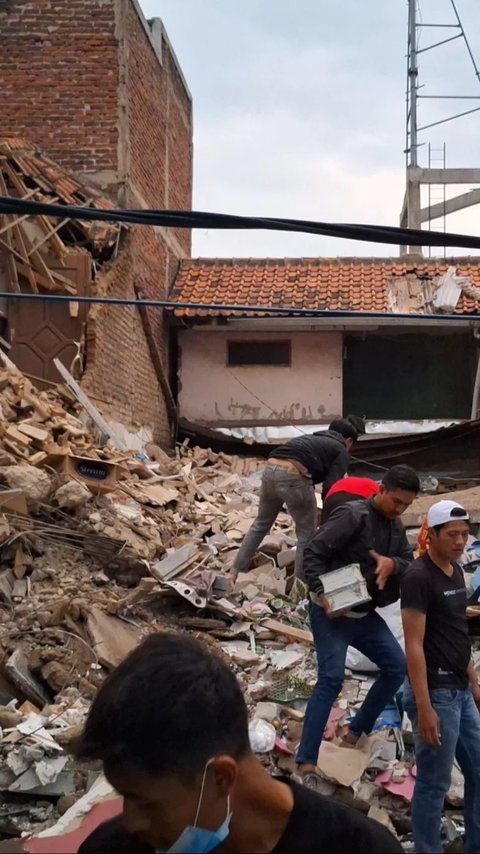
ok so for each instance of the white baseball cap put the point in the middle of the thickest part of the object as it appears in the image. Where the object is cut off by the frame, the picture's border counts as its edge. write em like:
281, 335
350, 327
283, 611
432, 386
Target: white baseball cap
446, 511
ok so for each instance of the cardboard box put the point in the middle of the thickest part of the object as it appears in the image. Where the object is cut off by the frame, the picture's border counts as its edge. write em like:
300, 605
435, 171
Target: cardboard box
97, 475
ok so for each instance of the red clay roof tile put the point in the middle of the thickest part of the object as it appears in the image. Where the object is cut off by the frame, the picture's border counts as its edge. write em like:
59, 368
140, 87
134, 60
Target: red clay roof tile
354, 284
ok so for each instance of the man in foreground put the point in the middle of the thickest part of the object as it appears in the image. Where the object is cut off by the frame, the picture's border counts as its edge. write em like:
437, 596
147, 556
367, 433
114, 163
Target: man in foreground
442, 695
371, 534
289, 479
170, 726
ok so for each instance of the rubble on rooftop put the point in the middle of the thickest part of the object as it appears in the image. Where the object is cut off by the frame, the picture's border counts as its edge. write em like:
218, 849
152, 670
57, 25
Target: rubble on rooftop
38, 246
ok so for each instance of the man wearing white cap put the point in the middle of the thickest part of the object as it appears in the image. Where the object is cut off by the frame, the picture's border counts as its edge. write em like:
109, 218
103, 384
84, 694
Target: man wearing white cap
443, 695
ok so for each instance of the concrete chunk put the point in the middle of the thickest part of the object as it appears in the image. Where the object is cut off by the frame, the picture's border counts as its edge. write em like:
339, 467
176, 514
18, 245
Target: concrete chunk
21, 676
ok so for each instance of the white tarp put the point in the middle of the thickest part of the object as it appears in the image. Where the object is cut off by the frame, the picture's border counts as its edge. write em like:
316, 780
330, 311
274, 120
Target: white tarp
392, 617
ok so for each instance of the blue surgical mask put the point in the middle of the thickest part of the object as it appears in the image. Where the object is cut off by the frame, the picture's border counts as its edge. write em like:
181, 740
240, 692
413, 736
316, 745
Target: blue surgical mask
199, 840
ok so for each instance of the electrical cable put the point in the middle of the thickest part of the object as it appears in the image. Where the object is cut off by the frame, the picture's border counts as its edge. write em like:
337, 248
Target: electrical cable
205, 220
219, 308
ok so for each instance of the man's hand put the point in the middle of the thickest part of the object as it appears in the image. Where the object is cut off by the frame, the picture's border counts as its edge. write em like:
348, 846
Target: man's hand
325, 604
429, 726
385, 567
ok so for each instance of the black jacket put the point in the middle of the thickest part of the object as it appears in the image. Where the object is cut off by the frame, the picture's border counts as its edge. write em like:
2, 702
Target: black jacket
325, 456
350, 533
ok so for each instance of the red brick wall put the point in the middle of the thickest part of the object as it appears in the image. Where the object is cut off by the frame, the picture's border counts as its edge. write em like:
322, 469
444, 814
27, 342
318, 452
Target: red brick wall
160, 173
82, 80
59, 78
119, 373
160, 119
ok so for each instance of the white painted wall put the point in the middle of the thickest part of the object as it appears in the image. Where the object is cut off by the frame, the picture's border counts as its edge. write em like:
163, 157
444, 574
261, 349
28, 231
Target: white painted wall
210, 392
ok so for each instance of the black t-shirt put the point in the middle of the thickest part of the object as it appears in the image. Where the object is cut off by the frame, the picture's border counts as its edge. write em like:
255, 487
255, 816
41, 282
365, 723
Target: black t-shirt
316, 824
425, 588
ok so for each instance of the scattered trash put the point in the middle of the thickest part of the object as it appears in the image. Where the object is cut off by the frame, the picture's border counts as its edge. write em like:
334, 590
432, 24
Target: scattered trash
262, 736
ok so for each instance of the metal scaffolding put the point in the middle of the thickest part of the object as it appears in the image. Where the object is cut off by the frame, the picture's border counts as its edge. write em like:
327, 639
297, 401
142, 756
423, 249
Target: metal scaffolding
413, 215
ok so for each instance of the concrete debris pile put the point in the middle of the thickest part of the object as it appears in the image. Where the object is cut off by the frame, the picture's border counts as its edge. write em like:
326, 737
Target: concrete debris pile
100, 547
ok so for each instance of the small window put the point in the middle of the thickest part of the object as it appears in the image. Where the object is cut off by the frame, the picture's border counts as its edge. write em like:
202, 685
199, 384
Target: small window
259, 353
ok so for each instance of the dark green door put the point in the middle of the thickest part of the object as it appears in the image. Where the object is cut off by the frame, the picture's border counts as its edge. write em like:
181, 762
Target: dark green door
410, 376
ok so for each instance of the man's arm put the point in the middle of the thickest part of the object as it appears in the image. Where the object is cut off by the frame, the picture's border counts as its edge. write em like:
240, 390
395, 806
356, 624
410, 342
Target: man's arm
404, 557
414, 632
337, 471
387, 565
330, 537
473, 679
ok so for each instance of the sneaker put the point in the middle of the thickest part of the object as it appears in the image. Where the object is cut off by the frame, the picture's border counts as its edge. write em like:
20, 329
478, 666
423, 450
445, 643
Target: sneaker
314, 782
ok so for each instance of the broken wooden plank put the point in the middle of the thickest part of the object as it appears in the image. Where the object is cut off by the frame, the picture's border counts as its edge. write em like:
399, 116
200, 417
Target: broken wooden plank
289, 632
16, 436
36, 433
111, 638
157, 361
20, 564
94, 414
13, 501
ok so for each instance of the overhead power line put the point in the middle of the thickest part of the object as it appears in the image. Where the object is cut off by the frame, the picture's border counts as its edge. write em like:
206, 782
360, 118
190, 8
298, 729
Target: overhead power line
204, 220
218, 308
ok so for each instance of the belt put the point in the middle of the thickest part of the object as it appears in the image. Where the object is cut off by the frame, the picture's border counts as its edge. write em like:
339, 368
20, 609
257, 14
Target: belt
290, 464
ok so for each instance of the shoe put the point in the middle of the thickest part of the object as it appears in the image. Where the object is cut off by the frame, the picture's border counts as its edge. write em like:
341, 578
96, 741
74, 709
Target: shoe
314, 782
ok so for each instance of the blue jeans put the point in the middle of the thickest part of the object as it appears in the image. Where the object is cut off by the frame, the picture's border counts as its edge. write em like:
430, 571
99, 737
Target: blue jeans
460, 731
372, 637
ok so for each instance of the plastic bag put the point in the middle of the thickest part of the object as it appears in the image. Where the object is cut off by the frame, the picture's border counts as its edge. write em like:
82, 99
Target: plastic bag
262, 736
391, 615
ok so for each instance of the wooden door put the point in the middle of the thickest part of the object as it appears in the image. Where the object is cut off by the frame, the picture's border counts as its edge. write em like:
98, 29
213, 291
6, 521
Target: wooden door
43, 330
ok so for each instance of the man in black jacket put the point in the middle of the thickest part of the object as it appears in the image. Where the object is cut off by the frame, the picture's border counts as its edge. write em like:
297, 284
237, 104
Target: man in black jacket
368, 533
171, 728
289, 479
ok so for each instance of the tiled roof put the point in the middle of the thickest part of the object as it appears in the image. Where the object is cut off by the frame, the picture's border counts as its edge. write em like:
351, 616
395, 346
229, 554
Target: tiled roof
48, 176
352, 284
36, 241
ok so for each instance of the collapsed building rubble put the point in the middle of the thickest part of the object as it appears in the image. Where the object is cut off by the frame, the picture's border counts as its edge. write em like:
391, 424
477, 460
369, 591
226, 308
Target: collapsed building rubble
100, 547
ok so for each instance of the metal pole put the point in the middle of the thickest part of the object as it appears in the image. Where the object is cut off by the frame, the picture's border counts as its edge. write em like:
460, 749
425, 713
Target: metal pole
412, 80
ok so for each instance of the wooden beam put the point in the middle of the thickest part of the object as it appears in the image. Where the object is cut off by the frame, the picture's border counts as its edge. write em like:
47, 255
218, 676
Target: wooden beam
28, 272
458, 203
13, 275
23, 268
51, 234
157, 360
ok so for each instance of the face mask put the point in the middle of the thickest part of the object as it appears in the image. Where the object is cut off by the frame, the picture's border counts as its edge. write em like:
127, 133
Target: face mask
199, 840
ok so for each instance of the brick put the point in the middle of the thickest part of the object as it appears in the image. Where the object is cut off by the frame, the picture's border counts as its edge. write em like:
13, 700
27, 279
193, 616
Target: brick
60, 68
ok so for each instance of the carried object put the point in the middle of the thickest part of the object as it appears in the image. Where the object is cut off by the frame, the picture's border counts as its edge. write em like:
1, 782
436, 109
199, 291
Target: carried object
345, 588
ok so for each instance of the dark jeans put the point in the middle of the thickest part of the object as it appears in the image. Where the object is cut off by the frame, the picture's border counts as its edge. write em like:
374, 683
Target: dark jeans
281, 486
460, 732
372, 637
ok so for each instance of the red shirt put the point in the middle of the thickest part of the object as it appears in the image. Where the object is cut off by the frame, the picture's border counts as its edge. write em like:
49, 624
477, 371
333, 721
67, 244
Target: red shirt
361, 486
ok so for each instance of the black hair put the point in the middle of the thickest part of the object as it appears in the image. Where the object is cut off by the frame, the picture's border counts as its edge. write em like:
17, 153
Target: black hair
345, 428
168, 708
357, 422
401, 477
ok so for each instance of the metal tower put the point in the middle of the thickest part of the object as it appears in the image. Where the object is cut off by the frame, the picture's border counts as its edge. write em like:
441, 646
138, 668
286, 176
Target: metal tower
413, 215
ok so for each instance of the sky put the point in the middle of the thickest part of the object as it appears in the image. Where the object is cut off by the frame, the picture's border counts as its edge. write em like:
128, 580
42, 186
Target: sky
299, 111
